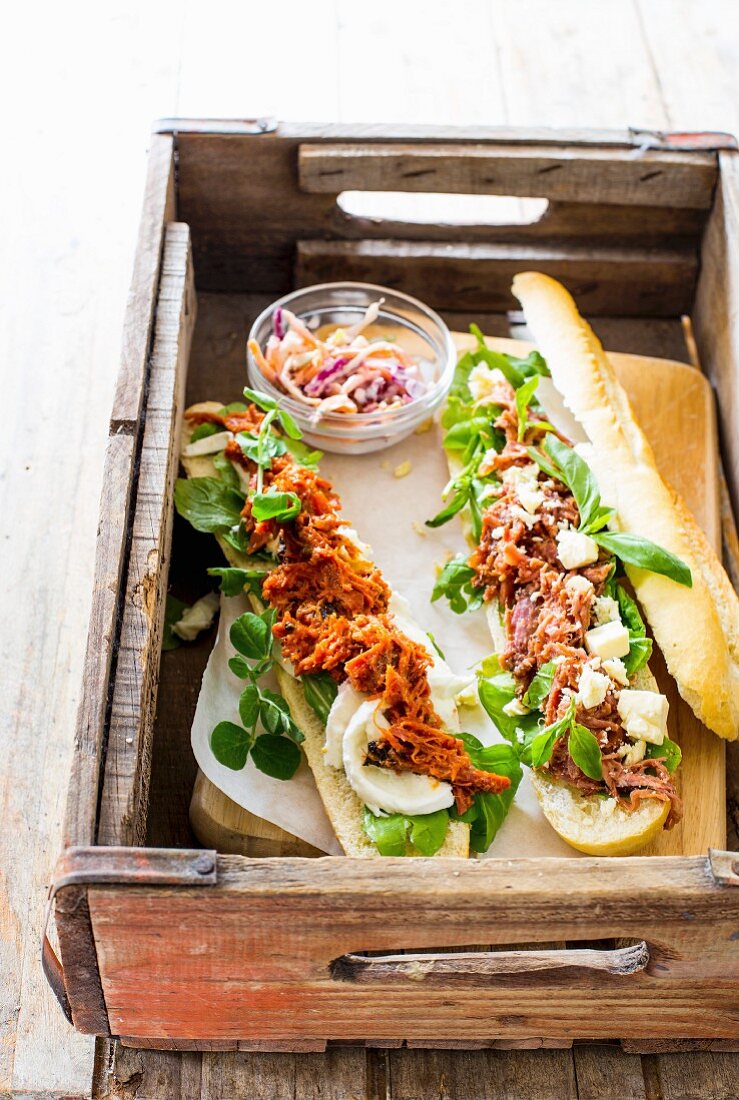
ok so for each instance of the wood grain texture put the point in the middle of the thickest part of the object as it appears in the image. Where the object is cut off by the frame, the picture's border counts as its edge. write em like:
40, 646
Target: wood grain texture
127, 767
574, 174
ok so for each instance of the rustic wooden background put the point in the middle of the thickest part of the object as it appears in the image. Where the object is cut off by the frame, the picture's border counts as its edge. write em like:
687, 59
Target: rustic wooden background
80, 85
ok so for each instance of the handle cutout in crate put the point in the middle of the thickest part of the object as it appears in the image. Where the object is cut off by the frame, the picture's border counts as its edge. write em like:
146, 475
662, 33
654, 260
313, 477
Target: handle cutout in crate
441, 208
474, 966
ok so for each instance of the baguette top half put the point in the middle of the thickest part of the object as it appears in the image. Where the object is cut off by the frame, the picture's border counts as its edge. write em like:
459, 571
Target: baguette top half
342, 805
696, 628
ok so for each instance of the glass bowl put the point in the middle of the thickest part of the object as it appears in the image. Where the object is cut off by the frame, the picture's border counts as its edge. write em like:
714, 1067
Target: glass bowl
402, 319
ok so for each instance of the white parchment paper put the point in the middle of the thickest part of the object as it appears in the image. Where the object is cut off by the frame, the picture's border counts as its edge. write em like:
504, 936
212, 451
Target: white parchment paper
388, 513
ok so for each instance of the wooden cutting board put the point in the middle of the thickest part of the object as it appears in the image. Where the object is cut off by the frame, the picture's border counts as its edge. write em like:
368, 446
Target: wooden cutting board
674, 405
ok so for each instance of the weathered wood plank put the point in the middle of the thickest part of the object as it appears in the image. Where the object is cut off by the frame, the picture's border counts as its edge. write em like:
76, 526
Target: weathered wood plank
607, 1072
484, 1075
573, 174
603, 280
128, 758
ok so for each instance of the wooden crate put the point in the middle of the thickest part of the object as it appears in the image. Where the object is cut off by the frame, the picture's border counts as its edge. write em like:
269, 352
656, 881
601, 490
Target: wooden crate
168, 945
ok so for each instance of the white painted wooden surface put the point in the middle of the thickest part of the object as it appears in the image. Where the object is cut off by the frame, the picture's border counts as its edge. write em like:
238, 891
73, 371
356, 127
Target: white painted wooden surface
80, 84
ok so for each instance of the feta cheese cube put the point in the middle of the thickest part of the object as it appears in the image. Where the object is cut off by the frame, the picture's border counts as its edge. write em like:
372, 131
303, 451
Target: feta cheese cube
616, 669
526, 518
524, 481
482, 381
579, 584
605, 609
633, 754
575, 549
515, 708
644, 715
592, 688
608, 640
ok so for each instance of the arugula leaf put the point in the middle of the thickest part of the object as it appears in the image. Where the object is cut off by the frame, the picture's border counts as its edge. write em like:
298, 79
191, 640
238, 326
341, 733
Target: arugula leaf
320, 690
251, 634
585, 751
577, 476
226, 471
234, 581
524, 395
274, 505
276, 756
455, 582
202, 431
207, 503
496, 688
391, 832
540, 686
640, 646
388, 833
172, 614
230, 744
638, 551
668, 750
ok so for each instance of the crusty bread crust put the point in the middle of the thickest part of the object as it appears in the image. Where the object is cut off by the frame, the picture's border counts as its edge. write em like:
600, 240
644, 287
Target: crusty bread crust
343, 806
696, 628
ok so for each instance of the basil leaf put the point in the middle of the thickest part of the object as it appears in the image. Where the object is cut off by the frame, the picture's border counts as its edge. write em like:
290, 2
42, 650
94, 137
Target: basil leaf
640, 646
428, 831
669, 752
456, 504
302, 453
534, 363
577, 476
234, 407
234, 581
455, 582
388, 833
202, 431
276, 756
460, 389
496, 688
538, 745
543, 462
249, 706
585, 751
207, 503
261, 400
540, 686
230, 745
461, 433
635, 550
251, 635
320, 690
524, 394
488, 811
278, 506
237, 537
226, 471
172, 614
271, 447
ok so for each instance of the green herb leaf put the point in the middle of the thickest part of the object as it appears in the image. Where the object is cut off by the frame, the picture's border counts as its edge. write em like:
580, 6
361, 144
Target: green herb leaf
463, 432
669, 752
230, 744
488, 811
635, 550
276, 756
428, 831
278, 506
226, 471
234, 581
496, 688
207, 503
540, 686
577, 476
237, 538
249, 706
261, 400
455, 505
302, 453
276, 717
585, 751
251, 634
261, 451
388, 833
203, 431
640, 646
435, 644
320, 690
455, 582
240, 668
538, 745
524, 395
289, 426
234, 407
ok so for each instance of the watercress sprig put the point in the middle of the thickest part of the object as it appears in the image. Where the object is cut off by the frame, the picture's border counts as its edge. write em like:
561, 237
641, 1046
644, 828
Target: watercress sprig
275, 750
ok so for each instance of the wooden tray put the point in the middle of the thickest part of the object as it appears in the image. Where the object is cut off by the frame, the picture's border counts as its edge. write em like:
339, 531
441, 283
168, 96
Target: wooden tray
167, 945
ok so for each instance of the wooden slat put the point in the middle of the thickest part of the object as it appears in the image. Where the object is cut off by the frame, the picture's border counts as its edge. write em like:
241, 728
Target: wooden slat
610, 281
118, 479
128, 759
268, 977
572, 173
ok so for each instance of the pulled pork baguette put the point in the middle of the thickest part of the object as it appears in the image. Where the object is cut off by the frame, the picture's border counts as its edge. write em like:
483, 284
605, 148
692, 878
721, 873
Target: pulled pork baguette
696, 628
343, 805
